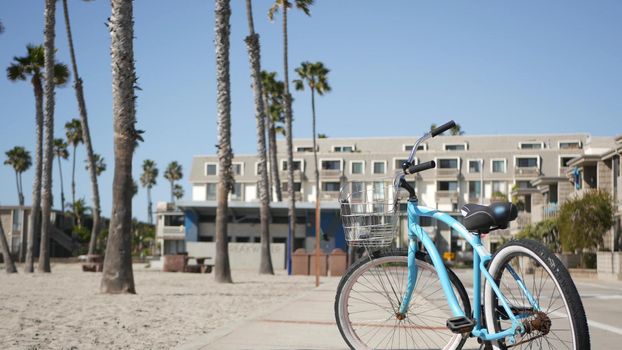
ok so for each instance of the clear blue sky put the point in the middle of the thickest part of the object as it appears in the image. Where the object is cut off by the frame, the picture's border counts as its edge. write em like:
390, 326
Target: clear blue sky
396, 66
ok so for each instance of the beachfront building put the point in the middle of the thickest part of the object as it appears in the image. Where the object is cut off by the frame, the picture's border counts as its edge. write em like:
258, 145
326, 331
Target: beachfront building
531, 170
15, 220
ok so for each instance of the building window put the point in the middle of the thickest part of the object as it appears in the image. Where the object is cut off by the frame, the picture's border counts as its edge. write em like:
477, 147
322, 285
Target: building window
211, 169
448, 163
304, 149
527, 162
569, 144
378, 190
475, 166
174, 220
237, 168
357, 167
357, 189
451, 186
524, 184
297, 164
563, 160
343, 148
397, 163
330, 165
379, 167
456, 147
297, 186
333, 186
236, 192
498, 187
498, 166
475, 189
210, 193
531, 145
422, 147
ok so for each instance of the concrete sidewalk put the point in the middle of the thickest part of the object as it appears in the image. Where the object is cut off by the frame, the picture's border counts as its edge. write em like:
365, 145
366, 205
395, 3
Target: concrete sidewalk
307, 322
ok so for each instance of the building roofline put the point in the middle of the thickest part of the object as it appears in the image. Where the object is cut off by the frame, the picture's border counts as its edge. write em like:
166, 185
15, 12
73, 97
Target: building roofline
254, 204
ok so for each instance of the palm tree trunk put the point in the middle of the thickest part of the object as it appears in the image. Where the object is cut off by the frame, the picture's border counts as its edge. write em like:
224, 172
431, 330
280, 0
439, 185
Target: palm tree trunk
222, 269
274, 166
73, 178
118, 276
48, 154
318, 228
21, 189
86, 134
254, 56
62, 191
172, 193
20, 197
267, 137
34, 222
149, 210
9, 265
290, 146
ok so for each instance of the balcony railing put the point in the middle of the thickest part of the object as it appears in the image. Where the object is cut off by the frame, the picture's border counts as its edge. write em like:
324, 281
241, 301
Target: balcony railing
527, 171
330, 172
172, 232
329, 195
298, 175
446, 196
447, 172
297, 195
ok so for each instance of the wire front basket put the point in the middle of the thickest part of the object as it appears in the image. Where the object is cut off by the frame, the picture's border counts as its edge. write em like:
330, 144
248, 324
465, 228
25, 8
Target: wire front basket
369, 214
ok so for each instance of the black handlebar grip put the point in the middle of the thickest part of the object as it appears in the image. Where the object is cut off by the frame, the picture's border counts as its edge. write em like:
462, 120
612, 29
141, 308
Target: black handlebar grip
441, 129
421, 167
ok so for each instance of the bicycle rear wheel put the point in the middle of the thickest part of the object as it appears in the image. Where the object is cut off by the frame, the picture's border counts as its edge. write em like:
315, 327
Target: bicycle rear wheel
559, 323
369, 295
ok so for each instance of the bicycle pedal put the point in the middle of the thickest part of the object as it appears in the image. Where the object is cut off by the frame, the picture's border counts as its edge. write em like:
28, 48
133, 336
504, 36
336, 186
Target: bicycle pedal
460, 325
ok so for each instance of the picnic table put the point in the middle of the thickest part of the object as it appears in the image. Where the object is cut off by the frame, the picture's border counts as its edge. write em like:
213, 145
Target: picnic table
203, 264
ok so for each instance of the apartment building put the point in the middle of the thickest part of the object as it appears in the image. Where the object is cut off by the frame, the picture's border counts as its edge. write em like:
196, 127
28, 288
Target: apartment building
529, 169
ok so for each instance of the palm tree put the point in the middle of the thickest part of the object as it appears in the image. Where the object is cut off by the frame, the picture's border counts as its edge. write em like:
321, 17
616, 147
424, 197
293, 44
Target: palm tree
117, 275
148, 179
100, 164
456, 130
48, 154
32, 66
80, 209
254, 56
6, 254
19, 158
222, 271
273, 103
302, 5
86, 135
60, 151
315, 76
73, 132
178, 191
173, 173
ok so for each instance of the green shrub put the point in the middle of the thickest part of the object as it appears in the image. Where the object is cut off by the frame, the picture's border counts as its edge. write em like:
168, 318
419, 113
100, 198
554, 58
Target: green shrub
584, 221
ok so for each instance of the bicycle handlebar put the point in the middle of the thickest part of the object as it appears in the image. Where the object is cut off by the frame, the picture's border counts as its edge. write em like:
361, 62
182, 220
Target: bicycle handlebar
441, 129
413, 169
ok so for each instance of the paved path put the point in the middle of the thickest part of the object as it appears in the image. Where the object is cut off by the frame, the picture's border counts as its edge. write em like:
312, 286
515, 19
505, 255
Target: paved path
308, 322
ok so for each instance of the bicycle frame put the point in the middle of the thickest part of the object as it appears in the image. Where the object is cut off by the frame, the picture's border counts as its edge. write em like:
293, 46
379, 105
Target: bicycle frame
480, 257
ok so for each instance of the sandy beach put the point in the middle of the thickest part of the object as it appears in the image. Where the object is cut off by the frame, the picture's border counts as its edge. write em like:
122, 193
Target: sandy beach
64, 310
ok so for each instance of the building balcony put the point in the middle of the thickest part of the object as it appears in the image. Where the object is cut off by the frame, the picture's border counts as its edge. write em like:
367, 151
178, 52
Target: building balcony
297, 195
447, 172
543, 212
332, 195
299, 175
527, 172
171, 232
447, 196
331, 173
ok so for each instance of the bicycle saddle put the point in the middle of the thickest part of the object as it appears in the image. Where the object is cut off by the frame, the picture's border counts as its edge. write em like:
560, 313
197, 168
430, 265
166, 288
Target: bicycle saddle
483, 219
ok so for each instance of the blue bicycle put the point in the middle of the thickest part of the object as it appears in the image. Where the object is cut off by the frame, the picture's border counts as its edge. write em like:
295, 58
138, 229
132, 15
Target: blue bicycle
409, 299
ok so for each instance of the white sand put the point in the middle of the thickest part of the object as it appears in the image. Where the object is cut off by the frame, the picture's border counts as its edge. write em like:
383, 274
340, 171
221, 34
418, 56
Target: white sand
64, 310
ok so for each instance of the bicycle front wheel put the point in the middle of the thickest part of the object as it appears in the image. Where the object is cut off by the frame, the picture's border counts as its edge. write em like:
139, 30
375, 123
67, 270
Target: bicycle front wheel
368, 300
559, 320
